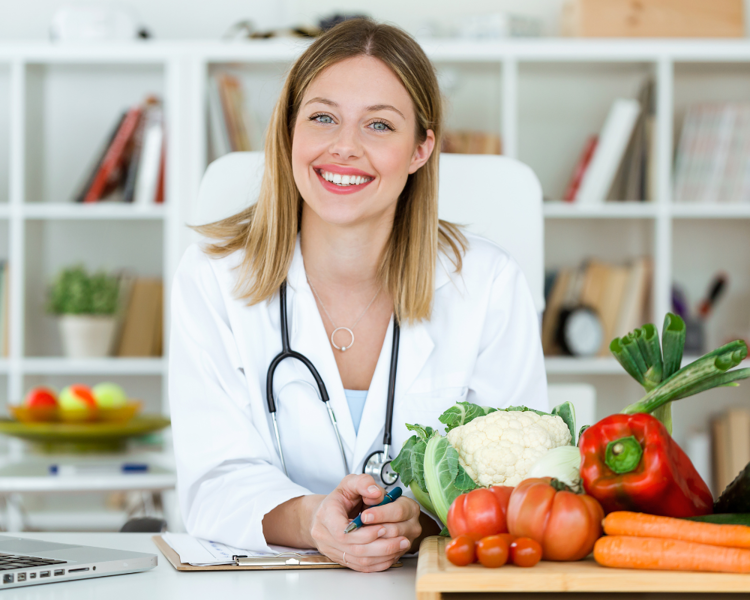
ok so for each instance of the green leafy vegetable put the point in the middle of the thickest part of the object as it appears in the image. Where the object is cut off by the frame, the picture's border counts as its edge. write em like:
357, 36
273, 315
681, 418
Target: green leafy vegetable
567, 412
409, 464
462, 413
446, 479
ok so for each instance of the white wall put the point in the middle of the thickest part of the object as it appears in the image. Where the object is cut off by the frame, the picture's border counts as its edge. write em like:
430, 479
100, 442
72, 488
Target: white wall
191, 19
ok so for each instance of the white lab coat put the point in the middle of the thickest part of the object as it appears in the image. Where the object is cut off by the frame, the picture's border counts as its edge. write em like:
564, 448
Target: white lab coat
482, 344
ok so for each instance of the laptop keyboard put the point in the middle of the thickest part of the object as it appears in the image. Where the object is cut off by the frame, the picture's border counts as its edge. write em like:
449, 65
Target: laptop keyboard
20, 561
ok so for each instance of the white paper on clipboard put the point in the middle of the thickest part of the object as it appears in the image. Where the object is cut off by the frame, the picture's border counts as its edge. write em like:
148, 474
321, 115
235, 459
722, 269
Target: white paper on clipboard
205, 553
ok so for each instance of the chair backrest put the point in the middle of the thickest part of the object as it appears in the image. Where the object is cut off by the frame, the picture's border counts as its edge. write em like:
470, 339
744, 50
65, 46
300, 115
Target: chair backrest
494, 196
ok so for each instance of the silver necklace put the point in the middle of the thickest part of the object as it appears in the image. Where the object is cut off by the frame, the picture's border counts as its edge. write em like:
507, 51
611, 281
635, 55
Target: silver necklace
348, 329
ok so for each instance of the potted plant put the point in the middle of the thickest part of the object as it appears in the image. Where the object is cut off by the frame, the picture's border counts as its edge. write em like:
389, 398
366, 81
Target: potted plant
87, 306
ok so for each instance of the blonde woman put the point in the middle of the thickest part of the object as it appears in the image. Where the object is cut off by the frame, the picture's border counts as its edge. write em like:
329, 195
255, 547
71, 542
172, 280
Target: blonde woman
346, 226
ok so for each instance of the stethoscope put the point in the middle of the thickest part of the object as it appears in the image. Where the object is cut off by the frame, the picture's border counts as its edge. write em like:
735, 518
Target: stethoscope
378, 464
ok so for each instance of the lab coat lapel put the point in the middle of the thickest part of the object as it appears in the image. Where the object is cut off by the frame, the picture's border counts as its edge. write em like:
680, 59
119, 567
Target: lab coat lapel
308, 337
415, 347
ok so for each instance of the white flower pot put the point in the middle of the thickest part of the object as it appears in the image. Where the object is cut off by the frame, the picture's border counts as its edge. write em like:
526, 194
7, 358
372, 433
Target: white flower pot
87, 336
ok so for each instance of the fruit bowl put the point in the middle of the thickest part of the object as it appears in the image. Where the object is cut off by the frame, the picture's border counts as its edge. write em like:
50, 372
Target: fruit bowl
45, 414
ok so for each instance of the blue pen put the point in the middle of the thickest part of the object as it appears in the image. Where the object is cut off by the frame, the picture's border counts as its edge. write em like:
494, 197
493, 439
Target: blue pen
391, 496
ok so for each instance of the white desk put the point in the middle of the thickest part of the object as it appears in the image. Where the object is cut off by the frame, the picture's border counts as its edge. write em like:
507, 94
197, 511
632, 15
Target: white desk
165, 583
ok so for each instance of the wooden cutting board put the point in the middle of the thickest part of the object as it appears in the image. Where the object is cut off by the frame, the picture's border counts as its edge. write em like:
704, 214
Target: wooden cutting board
436, 575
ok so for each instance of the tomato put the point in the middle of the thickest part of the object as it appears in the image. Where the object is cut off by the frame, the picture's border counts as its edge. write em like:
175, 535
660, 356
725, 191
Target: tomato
492, 551
564, 523
460, 551
525, 552
480, 513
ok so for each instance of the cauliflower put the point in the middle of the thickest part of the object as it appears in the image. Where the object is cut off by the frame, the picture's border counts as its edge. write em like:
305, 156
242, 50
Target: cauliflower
500, 448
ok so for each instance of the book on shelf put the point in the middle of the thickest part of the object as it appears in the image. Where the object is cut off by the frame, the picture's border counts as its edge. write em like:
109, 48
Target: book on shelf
141, 331
618, 294
583, 162
730, 432
613, 141
713, 154
129, 165
457, 141
232, 125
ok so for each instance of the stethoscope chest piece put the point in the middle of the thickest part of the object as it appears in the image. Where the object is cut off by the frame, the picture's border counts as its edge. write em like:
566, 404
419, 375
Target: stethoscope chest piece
378, 466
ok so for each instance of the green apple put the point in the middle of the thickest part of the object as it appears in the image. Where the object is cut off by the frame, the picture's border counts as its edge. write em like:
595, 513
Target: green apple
76, 397
109, 395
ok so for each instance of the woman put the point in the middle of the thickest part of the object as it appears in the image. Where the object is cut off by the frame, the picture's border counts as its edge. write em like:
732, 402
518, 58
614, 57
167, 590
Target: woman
347, 217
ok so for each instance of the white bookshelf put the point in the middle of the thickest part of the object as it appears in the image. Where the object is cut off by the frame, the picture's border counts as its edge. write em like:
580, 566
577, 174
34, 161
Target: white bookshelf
543, 96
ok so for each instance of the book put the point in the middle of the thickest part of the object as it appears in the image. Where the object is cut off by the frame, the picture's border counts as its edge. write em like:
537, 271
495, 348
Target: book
613, 140
126, 281
611, 304
141, 330
135, 156
150, 159
630, 183
84, 187
583, 162
551, 315
632, 313
113, 158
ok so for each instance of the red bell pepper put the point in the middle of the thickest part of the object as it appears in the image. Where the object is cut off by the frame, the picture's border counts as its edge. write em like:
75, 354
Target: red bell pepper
630, 462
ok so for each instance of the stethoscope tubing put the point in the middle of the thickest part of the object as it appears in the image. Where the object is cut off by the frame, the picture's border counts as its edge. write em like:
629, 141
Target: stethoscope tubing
287, 352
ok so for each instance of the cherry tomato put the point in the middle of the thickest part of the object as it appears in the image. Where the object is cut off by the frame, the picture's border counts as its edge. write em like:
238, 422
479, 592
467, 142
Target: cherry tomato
492, 551
480, 513
460, 551
525, 552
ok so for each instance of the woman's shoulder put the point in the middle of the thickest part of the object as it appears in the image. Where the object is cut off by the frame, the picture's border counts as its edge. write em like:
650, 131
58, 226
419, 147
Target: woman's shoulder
199, 264
482, 258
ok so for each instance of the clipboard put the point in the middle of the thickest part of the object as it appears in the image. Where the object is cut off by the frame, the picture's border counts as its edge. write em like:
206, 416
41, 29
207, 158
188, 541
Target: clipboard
257, 563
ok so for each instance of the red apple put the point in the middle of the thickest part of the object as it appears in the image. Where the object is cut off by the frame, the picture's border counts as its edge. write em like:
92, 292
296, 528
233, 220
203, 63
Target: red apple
41, 397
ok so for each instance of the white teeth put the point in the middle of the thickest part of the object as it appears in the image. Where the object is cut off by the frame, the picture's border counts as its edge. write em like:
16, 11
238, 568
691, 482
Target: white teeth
343, 180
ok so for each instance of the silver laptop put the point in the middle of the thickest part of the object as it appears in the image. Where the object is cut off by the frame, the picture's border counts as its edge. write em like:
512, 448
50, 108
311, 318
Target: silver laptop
33, 562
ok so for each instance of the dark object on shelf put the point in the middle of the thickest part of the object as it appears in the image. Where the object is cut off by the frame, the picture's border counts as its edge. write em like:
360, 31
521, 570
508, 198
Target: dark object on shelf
329, 22
695, 339
736, 497
246, 30
144, 525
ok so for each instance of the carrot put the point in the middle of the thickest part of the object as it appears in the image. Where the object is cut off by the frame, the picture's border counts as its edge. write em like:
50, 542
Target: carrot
643, 525
626, 552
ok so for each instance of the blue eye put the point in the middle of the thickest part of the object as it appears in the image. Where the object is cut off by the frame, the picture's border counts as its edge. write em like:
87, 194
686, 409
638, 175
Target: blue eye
385, 126
318, 117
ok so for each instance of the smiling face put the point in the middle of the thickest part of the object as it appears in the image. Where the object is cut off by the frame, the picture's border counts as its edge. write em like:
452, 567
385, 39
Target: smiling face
354, 143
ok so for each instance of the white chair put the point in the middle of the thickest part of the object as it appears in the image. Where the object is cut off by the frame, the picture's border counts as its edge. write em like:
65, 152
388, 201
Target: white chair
581, 395
494, 196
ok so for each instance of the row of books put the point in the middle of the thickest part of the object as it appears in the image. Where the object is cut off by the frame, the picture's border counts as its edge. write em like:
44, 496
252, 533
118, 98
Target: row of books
232, 124
617, 294
140, 320
617, 163
713, 154
129, 166
459, 141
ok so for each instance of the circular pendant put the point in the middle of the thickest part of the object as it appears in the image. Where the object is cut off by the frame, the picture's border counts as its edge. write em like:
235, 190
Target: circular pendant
342, 348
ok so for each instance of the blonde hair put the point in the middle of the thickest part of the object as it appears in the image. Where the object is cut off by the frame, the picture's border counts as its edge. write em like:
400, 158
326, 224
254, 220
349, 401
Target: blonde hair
267, 230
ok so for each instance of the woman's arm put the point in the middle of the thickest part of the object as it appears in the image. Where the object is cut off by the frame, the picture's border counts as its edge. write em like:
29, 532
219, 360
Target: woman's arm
226, 470
289, 523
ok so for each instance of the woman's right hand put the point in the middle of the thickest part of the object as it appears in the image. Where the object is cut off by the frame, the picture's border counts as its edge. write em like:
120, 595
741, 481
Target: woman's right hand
365, 549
